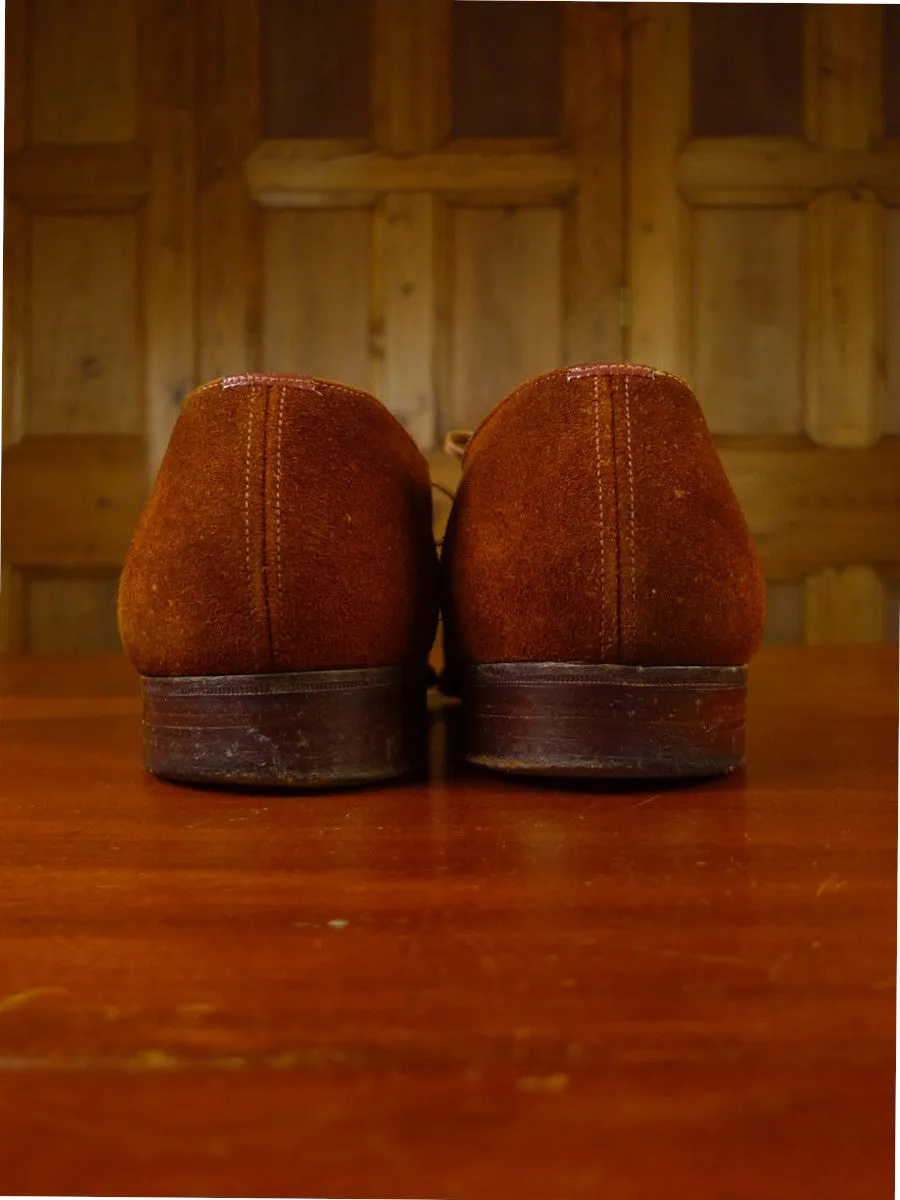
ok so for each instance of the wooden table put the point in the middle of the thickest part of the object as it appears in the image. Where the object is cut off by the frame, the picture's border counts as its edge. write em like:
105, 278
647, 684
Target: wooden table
466, 988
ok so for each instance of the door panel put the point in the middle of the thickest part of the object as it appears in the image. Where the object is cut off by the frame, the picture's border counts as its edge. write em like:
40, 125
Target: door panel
74, 469
744, 70
892, 316
506, 323
317, 315
84, 72
761, 215
76, 613
747, 343
316, 69
506, 70
784, 612
84, 369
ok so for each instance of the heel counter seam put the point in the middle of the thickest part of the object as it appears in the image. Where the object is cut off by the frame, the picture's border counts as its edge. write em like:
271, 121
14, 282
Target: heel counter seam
247, 506
255, 481
278, 577
599, 467
614, 649
264, 524
610, 540
624, 632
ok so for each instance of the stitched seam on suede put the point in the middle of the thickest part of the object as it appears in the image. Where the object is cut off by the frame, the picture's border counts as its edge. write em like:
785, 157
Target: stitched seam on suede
264, 548
583, 371
278, 588
616, 638
633, 613
247, 518
600, 501
301, 383
617, 370
311, 383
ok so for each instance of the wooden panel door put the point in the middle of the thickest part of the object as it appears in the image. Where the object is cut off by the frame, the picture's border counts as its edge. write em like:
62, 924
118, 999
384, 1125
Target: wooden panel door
98, 305
418, 197
763, 261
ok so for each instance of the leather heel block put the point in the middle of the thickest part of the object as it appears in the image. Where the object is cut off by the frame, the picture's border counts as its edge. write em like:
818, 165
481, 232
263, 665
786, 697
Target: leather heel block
309, 729
576, 719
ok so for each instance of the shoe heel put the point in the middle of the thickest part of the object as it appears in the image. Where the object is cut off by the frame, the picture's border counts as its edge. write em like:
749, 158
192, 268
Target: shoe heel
610, 721
307, 729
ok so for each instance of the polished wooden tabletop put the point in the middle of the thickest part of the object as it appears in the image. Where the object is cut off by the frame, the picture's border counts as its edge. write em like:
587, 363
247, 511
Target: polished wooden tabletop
465, 987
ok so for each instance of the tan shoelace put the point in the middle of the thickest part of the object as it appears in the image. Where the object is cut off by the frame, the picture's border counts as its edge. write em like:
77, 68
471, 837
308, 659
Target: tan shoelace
457, 441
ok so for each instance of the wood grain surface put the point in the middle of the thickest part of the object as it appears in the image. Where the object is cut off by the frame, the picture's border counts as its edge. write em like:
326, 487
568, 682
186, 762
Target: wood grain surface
456, 987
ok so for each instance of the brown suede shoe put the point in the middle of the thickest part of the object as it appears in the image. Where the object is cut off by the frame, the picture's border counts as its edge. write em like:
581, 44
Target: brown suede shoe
280, 595
601, 592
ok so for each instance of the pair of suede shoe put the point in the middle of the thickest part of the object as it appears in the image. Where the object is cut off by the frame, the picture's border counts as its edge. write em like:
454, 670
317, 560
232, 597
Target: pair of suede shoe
600, 591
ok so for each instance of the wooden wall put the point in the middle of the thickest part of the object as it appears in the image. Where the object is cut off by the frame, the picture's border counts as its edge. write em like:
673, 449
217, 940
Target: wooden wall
436, 201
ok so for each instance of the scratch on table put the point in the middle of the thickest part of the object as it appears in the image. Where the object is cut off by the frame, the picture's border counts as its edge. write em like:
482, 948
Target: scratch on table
193, 1012
153, 1060
647, 800
17, 999
695, 956
282, 1062
832, 884
161, 1060
547, 1084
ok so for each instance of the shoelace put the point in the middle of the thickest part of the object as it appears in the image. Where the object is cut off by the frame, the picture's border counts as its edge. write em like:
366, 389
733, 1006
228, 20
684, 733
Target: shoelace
455, 444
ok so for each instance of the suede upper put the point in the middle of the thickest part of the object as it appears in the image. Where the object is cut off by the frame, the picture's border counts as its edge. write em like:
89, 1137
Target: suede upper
289, 529
594, 523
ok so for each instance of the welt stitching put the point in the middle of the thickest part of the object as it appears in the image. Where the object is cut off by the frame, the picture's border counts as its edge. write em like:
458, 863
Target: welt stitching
592, 679
225, 692
600, 500
630, 499
484, 714
190, 687
247, 507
